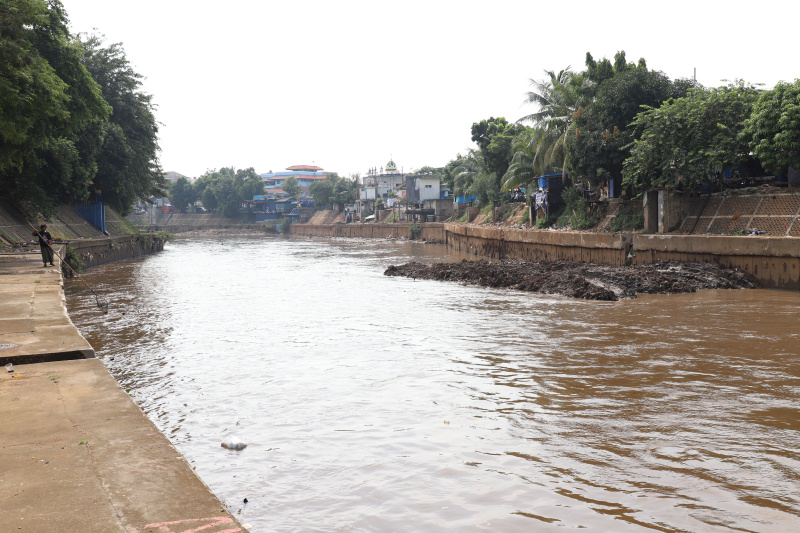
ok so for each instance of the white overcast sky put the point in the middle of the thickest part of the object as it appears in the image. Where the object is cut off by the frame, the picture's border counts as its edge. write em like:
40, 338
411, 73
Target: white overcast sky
349, 84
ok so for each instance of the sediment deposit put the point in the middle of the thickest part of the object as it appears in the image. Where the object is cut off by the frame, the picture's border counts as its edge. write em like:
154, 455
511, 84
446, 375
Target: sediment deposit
580, 280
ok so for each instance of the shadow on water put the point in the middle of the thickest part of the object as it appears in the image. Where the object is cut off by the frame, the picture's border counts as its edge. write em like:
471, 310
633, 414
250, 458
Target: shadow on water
372, 403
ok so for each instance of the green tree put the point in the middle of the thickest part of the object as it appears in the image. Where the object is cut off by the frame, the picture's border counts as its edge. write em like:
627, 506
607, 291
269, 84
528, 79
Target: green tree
128, 167
773, 129
333, 190
322, 192
602, 138
227, 188
427, 170
53, 111
291, 187
560, 98
248, 184
494, 138
448, 177
182, 193
689, 140
526, 163
32, 94
344, 191
473, 176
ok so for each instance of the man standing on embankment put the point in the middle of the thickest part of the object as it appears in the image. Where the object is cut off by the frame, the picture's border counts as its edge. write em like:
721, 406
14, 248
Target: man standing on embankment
44, 243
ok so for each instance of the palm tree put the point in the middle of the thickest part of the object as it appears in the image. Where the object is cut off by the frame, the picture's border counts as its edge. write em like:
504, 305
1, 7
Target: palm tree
472, 176
561, 99
528, 160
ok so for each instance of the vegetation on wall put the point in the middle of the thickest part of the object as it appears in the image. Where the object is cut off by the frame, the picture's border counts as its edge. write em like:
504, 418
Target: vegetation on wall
576, 214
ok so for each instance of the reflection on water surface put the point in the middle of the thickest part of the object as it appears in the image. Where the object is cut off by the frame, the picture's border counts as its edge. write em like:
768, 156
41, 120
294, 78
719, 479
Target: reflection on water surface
372, 403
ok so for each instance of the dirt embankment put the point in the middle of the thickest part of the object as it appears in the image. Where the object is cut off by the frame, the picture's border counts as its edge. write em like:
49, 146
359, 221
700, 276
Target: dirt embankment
579, 280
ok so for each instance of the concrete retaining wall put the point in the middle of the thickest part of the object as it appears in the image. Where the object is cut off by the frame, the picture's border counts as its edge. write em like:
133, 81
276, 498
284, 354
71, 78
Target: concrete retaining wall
774, 261
96, 252
536, 245
428, 232
180, 228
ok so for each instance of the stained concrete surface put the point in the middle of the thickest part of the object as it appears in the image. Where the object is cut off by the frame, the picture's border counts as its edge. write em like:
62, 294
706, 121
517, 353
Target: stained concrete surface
34, 324
76, 453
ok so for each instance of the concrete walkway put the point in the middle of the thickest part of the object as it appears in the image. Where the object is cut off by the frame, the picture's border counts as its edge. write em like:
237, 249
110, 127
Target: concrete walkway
34, 324
76, 453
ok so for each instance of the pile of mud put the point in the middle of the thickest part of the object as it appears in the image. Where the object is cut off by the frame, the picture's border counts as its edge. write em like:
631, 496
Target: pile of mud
580, 280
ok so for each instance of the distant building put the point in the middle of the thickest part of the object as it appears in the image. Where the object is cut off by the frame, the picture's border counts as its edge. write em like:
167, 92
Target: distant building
378, 183
173, 176
421, 188
305, 174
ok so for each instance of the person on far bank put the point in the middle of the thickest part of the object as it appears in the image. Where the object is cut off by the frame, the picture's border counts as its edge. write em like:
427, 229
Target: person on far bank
44, 243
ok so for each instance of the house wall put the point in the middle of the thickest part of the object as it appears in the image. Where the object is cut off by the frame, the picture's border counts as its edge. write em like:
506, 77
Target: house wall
443, 208
428, 188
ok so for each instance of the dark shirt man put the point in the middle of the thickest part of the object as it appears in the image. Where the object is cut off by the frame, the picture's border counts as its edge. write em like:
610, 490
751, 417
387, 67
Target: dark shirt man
44, 243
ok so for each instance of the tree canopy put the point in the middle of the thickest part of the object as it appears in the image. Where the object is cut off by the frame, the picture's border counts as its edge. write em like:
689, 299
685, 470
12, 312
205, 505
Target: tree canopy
65, 129
127, 162
333, 190
602, 137
52, 110
182, 193
773, 129
291, 186
689, 140
225, 190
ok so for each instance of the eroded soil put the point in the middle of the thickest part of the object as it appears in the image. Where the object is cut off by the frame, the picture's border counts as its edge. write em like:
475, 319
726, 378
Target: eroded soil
580, 280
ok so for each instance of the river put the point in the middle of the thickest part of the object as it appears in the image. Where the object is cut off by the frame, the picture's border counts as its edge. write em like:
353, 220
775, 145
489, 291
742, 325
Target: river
373, 403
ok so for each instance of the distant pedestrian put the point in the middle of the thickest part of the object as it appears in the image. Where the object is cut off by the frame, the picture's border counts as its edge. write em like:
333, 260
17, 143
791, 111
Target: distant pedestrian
45, 239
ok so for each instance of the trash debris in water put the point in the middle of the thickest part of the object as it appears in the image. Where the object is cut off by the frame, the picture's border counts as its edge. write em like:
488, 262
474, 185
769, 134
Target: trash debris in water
233, 443
10, 368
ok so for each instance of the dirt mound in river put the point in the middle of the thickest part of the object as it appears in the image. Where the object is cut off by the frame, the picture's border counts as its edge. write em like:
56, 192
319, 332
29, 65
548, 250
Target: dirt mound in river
579, 280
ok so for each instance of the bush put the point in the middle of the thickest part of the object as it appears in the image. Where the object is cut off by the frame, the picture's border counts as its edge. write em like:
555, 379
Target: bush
549, 220
576, 214
525, 216
415, 230
72, 263
628, 218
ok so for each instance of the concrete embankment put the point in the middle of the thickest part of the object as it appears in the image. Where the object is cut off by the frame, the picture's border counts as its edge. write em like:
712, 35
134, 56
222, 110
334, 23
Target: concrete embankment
431, 232
77, 453
96, 252
774, 261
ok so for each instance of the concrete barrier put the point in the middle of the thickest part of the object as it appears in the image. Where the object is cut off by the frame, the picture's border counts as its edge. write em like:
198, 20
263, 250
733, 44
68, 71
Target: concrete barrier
774, 261
539, 245
96, 252
431, 232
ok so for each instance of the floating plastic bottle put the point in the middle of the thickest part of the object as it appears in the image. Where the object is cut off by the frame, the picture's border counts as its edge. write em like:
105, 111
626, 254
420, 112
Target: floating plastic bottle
233, 443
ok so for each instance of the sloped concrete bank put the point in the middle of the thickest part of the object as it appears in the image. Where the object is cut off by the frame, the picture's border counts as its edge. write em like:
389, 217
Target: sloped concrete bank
774, 261
77, 452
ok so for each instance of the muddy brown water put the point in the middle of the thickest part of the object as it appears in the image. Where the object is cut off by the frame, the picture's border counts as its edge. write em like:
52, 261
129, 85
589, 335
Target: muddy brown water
372, 403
